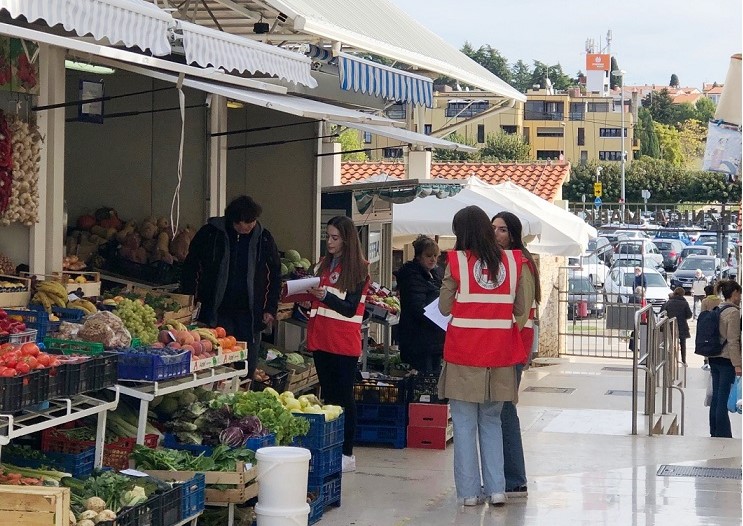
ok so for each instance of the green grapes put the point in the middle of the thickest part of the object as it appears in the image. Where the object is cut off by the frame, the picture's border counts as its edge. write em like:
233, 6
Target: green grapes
139, 320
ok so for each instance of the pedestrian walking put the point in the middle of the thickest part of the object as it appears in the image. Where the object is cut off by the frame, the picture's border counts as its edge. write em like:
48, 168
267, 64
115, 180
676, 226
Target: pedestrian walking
697, 290
483, 292
677, 307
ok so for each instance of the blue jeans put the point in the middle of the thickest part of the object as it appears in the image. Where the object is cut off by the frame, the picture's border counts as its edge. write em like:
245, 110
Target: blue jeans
475, 422
723, 375
513, 449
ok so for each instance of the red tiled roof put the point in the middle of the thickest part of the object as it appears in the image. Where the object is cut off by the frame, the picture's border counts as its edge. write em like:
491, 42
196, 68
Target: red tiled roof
691, 98
543, 179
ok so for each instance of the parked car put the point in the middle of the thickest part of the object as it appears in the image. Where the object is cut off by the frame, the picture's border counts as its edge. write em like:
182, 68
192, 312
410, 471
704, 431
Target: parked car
705, 237
580, 290
590, 266
712, 267
618, 287
613, 238
642, 248
699, 250
632, 234
673, 234
671, 250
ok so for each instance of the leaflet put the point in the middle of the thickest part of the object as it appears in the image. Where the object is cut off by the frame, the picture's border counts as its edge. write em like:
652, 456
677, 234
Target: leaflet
432, 312
297, 290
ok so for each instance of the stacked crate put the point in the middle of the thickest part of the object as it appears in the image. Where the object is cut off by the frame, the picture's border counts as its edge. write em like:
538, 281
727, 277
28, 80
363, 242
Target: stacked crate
382, 410
430, 426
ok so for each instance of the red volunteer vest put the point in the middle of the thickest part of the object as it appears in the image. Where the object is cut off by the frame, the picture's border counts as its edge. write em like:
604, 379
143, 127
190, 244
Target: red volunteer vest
527, 333
330, 331
483, 331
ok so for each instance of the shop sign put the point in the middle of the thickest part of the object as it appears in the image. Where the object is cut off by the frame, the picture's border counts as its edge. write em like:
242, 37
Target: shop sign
598, 62
375, 247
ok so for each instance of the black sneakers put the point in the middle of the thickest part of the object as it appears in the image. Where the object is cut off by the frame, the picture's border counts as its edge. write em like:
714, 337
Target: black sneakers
517, 492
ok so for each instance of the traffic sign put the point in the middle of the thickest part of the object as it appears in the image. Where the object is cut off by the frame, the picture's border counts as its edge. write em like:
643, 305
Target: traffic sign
597, 189
597, 202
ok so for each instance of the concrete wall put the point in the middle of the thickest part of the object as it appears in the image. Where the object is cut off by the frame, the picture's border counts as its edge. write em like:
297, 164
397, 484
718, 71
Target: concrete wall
550, 343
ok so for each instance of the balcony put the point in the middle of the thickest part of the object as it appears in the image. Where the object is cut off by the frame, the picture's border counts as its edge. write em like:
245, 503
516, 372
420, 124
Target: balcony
531, 115
577, 116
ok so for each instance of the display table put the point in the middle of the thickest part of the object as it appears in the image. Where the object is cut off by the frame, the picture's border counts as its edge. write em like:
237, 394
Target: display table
386, 325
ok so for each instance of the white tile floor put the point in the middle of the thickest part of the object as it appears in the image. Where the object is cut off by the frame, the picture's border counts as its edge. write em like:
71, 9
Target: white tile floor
584, 467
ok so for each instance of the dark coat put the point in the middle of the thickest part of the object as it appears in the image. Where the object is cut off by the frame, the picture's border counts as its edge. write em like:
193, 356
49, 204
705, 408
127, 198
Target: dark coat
677, 307
417, 335
206, 271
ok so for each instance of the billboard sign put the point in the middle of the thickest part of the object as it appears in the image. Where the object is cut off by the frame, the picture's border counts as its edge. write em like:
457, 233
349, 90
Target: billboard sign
598, 62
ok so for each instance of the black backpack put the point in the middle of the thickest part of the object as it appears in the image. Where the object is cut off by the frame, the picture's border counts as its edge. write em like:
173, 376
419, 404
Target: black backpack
707, 341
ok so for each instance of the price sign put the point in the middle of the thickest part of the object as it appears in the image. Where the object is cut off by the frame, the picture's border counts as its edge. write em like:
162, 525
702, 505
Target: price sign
597, 189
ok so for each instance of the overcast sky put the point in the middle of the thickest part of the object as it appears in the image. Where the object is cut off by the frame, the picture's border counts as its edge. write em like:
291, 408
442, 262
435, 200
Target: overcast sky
651, 38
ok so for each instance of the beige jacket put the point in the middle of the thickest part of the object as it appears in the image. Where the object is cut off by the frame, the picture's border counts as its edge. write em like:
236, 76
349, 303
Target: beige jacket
730, 333
710, 302
483, 384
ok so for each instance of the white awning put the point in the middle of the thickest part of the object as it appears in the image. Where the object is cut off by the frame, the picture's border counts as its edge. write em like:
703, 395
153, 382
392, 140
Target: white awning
208, 47
407, 136
131, 22
357, 74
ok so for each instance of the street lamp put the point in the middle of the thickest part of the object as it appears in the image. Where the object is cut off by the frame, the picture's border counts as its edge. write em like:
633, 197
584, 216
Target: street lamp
620, 73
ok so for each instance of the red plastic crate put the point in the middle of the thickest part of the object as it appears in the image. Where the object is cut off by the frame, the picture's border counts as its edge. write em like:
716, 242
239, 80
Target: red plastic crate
429, 415
429, 437
115, 454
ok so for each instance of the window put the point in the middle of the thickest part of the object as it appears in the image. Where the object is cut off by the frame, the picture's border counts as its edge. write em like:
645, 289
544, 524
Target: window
577, 111
583, 156
540, 110
367, 137
481, 133
397, 111
610, 156
581, 136
392, 153
547, 155
598, 107
466, 108
550, 132
612, 132
508, 129
427, 129
526, 135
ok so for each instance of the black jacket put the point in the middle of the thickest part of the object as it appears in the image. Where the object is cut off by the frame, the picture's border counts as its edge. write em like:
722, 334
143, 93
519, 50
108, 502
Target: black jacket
417, 335
677, 307
206, 271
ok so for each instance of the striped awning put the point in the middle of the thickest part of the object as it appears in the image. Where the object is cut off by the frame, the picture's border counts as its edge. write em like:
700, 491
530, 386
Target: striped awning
211, 48
135, 23
357, 74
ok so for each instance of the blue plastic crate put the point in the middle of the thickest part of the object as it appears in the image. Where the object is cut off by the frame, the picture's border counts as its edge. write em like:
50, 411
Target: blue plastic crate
329, 490
388, 414
396, 436
193, 496
79, 465
36, 319
322, 434
69, 315
325, 462
170, 441
153, 367
317, 506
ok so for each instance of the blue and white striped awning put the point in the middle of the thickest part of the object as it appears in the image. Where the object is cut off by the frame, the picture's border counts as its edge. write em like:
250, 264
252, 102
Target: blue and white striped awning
131, 22
357, 74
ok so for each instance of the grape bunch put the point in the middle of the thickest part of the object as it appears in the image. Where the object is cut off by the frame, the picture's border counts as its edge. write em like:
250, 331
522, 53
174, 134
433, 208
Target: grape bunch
139, 320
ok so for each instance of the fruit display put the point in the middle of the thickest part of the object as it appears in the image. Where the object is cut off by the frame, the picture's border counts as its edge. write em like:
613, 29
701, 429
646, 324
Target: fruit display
12, 286
201, 343
106, 328
73, 263
16, 360
382, 297
139, 319
84, 305
49, 293
293, 264
9, 325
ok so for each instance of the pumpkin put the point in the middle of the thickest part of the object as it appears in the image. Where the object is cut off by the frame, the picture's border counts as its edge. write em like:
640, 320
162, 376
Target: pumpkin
85, 222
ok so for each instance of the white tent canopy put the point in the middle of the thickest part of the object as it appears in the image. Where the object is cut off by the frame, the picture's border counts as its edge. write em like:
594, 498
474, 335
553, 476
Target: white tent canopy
547, 228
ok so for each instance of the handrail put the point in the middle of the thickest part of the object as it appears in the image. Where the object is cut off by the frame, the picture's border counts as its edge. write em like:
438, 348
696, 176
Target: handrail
636, 359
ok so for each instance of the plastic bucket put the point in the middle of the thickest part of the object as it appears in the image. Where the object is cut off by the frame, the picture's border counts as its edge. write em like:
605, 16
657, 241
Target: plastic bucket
282, 517
282, 477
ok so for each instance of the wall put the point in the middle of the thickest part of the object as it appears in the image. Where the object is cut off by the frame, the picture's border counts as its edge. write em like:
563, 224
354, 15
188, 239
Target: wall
281, 178
130, 163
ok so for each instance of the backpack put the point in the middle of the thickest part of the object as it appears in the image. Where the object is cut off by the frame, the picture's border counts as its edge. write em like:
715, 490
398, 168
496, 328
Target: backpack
707, 341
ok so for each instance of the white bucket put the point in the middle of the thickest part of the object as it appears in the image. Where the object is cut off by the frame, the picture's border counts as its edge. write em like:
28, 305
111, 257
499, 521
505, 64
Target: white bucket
282, 477
282, 517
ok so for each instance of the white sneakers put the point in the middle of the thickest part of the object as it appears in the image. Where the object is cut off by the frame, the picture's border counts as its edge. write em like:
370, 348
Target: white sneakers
497, 499
349, 463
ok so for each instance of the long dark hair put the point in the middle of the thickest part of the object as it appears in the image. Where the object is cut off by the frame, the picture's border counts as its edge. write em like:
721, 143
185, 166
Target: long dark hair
513, 223
475, 233
354, 268
726, 287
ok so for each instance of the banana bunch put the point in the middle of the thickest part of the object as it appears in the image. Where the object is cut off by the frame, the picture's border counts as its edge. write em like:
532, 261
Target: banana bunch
207, 334
84, 305
174, 325
50, 293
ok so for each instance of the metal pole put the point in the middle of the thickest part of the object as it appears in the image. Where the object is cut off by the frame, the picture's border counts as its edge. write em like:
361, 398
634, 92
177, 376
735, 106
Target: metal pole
621, 76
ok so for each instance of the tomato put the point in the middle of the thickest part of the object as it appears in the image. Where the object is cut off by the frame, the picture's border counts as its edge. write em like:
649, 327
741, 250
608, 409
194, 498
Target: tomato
55, 363
30, 349
23, 368
8, 372
6, 347
44, 359
31, 361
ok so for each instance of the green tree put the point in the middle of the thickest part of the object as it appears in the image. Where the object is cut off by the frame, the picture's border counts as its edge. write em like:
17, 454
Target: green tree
440, 154
693, 135
660, 106
521, 76
503, 147
490, 59
645, 132
682, 112
705, 110
670, 144
351, 140
674, 81
615, 81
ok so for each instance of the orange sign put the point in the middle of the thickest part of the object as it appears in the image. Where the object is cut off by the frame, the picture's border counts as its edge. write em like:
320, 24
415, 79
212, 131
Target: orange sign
597, 62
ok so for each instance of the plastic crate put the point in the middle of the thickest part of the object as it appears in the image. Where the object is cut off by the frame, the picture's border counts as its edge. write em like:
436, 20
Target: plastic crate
329, 490
382, 414
153, 367
58, 346
170, 441
169, 510
58, 381
426, 388
394, 436
29, 335
79, 465
387, 391
278, 381
105, 370
193, 496
115, 454
69, 315
145, 514
316, 509
36, 319
78, 376
322, 434
325, 462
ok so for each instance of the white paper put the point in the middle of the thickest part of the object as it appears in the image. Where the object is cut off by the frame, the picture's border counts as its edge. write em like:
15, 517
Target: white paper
300, 286
433, 313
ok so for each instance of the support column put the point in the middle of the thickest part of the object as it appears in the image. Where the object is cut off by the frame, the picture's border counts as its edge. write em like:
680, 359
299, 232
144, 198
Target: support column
46, 240
330, 164
419, 164
217, 184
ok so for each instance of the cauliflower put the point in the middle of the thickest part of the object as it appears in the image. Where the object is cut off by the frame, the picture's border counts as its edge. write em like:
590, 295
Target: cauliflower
134, 496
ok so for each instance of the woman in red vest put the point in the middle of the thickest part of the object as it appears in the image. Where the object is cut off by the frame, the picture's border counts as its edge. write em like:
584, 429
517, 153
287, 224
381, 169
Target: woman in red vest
334, 327
508, 231
483, 293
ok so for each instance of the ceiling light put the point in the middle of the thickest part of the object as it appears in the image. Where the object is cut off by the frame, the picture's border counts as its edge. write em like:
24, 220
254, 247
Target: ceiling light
88, 68
235, 104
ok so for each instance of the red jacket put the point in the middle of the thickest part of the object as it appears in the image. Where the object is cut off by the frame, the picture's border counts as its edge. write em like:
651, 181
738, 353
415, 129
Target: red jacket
483, 331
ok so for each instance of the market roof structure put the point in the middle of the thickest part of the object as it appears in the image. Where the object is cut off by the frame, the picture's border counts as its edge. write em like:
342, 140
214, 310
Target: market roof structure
543, 179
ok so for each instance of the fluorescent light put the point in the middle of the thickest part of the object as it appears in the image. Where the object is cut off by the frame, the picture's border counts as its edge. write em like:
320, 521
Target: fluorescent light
235, 104
88, 68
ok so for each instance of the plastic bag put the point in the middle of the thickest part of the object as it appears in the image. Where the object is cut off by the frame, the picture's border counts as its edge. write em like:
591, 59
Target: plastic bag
734, 399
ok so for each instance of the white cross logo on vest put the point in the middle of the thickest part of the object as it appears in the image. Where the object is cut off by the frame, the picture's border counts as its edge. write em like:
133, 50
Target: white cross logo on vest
483, 278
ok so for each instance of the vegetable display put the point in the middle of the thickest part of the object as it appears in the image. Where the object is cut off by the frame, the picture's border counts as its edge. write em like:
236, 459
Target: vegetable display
223, 458
139, 320
23, 202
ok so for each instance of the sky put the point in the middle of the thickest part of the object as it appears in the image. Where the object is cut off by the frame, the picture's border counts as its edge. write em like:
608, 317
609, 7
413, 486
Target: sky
651, 39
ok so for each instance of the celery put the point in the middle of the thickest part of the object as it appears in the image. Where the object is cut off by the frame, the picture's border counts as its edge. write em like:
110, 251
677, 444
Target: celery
41, 474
